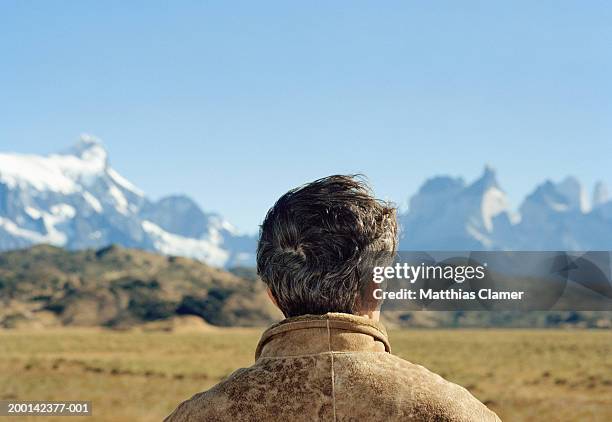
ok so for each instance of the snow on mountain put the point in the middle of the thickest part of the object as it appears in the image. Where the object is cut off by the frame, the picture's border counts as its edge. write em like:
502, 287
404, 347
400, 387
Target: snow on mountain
600, 194
447, 214
76, 200
557, 216
571, 189
492, 199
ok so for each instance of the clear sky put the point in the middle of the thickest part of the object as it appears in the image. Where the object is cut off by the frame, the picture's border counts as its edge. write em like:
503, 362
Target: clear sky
233, 103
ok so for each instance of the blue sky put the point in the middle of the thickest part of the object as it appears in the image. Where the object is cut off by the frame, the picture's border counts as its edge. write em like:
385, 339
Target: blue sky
233, 103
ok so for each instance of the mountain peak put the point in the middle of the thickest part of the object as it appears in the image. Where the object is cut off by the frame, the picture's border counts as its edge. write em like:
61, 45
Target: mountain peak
551, 196
487, 180
600, 194
441, 184
571, 188
89, 148
489, 175
74, 199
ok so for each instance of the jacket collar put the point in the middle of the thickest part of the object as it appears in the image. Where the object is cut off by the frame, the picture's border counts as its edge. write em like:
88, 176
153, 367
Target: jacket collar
313, 334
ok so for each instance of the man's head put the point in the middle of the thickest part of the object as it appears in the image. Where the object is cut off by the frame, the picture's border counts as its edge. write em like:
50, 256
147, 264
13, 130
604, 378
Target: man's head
317, 246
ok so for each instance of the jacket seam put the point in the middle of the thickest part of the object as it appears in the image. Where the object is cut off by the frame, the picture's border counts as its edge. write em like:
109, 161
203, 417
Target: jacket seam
333, 381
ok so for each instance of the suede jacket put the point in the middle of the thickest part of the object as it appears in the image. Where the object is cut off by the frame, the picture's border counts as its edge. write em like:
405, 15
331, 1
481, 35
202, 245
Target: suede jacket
333, 367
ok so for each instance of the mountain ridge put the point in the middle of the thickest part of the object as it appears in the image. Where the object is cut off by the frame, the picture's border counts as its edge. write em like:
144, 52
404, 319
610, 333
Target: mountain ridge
448, 214
75, 199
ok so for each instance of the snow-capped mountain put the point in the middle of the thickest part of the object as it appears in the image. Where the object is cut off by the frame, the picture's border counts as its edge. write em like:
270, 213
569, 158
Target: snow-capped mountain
448, 214
600, 194
557, 216
75, 199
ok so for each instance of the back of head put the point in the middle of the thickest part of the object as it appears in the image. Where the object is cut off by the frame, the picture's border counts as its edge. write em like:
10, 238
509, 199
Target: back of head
319, 242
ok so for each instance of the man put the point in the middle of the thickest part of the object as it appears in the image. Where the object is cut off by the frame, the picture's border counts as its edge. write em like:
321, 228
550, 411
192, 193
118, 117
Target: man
330, 360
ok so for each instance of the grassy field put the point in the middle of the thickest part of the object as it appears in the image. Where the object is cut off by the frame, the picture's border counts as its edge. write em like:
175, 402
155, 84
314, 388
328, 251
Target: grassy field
524, 375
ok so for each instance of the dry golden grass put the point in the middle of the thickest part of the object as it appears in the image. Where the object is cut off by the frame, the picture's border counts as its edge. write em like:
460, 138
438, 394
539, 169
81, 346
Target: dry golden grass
524, 375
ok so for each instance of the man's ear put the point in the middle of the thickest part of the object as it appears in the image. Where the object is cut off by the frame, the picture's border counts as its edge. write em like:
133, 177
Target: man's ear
271, 296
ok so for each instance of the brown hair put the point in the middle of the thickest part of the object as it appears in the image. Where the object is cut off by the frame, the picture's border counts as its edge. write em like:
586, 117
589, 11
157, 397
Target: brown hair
318, 243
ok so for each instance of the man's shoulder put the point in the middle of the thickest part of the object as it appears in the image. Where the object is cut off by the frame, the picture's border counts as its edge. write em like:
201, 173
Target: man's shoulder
376, 386
408, 388
270, 385
213, 404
